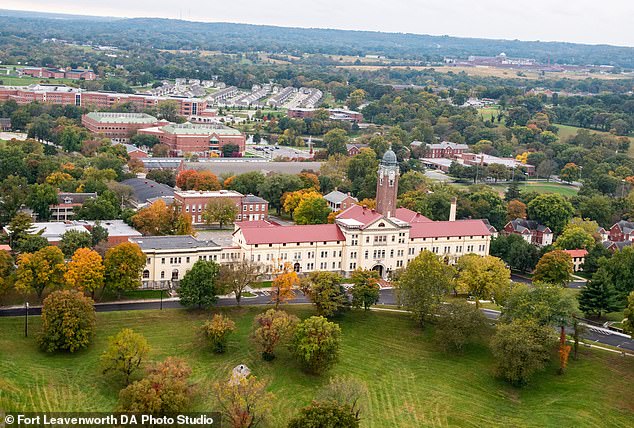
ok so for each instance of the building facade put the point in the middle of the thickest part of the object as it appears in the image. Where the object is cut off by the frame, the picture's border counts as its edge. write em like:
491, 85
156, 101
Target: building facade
195, 138
249, 207
119, 127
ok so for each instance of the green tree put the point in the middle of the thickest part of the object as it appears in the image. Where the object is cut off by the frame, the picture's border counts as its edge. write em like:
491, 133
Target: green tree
13, 194
236, 277
628, 323
327, 293
125, 354
361, 172
312, 210
68, 321
124, 264
480, 276
316, 343
552, 210
246, 183
599, 296
7, 267
422, 285
345, 390
19, 228
217, 331
365, 291
243, 401
72, 240
570, 172
221, 211
620, 270
335, 141
270, 329
325, 414
198, 288
574, 238
521, 348
554, 267
273, 187
40, 198
458, 324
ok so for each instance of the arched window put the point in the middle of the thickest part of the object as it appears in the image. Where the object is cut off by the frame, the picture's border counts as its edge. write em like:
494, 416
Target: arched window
162, 274
146, 274
174, 274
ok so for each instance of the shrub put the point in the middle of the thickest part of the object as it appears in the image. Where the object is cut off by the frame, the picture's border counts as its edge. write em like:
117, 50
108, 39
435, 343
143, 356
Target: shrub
217, 331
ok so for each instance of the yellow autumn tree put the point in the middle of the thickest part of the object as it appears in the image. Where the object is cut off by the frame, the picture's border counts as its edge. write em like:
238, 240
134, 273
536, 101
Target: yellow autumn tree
291, 200
282, 287
85, 271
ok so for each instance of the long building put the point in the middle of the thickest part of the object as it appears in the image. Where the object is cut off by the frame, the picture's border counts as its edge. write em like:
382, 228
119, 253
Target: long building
98, 100
197, 138
385, 240
119, 127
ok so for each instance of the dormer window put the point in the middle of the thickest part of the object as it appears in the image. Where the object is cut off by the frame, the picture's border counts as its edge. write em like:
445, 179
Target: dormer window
68, 200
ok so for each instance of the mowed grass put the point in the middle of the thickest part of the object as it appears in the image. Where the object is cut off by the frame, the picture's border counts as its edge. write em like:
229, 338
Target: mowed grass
542, 187
410, 382
28, 80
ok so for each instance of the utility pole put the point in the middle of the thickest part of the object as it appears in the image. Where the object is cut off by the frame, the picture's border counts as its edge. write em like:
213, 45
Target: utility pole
26, 319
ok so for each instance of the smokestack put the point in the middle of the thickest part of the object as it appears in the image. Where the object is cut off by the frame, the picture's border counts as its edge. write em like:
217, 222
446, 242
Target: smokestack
452, 210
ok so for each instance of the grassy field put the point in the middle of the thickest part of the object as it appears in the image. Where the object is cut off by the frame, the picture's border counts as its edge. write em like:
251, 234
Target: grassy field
566, 131
542, 187
410, 382
27, 80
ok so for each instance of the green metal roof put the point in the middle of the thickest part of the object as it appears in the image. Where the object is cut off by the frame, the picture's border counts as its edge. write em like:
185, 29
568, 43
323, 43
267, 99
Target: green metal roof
108, 117
197, 129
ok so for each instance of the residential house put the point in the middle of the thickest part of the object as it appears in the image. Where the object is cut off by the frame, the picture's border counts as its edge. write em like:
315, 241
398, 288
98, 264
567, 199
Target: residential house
530, 230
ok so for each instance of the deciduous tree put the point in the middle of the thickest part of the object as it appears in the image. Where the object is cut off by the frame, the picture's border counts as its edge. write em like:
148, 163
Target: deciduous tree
85, 271
480, 276
365, 291
554, 267
39, 270
124, 264
316, 344
221, 211
458, 324
243, 401
521, 348
237, 276
574, 238
73, 240
325, 414
552, 210
217, 331
312, 209
68, 321
422, 285
327, 293
283, 283
199, 286
125, 354
270, 329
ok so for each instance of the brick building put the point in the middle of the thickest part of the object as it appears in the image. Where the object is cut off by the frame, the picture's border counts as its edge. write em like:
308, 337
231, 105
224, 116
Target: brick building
54, 73
119, 127
532, 232
340, 201
445, 149
66, 204
194, 138
98, 100
250, 207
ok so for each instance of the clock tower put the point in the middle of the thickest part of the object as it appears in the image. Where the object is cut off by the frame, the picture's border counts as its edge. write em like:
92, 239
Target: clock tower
387, 184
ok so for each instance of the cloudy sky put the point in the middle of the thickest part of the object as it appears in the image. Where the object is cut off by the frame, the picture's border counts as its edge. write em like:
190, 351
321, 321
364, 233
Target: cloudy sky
583, 21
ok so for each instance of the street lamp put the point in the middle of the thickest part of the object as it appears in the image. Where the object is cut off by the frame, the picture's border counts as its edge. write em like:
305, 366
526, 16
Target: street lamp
26, 319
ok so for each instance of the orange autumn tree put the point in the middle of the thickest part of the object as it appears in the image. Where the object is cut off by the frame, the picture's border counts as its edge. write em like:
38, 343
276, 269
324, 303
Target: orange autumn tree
515, 209
85, 271
368, 203
162, 219
291, 200
282, 287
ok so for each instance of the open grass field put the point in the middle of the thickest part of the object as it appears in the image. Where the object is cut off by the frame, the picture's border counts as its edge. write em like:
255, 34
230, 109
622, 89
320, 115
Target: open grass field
487, 71
541, 187
566, 131
27, 80
410, 382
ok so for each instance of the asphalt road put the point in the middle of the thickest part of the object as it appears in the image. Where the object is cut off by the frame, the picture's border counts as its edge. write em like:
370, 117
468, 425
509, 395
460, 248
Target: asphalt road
387, 297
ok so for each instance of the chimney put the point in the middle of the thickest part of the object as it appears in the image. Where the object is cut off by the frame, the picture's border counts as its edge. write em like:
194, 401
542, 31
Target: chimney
452, 210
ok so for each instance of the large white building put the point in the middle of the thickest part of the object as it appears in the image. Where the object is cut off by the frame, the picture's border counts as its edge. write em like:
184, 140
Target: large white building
385, 239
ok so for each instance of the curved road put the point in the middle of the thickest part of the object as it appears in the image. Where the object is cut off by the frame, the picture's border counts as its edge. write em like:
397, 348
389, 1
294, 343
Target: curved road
388, 297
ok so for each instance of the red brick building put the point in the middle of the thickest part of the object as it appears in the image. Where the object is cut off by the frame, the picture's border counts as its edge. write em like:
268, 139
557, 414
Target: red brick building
250, 207
98, 100
532, 232
119, 127
445, 149
622, 231
54, 73
194, 138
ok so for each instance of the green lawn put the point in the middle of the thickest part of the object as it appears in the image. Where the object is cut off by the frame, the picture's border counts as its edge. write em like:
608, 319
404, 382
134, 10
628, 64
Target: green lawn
410, 383
542, 187
569, 131
28, 80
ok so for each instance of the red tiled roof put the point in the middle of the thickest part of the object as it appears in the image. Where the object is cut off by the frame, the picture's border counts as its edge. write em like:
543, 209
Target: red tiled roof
438, 229
269, 234
409, 216
576, 253
5, 247
361, 214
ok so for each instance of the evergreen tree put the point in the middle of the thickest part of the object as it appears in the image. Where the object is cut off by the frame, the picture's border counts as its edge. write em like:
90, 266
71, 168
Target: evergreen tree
599, 295
512, 192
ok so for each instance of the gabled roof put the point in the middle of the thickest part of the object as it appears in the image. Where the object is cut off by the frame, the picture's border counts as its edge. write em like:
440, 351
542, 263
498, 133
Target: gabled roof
254, 199
337, 197
409, 216
522, 225
75, 198
271, 234
625, 226
364, 216
576, 253
144, 189
437, 229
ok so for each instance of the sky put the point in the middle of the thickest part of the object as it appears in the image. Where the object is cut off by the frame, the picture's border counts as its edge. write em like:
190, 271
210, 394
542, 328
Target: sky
579, 21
